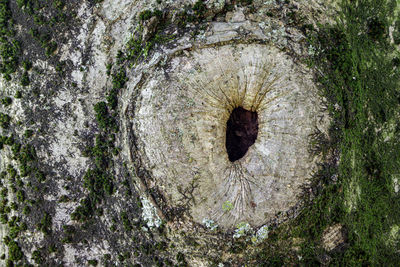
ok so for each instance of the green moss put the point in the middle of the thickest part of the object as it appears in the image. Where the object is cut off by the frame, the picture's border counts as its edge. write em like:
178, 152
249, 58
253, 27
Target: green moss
377, 28
37, 257
28, 133
52, 248
15, 149
9, 52
25, 81
14, 250
5, 16
119, 79
9, 141
84, 211
134, 48
58, 4
98, 182
104, 120
3, 218
199, 8
26, 210
6, 101
69, 229
63, 199
40, 176
180, 257
109, 67
67, 240
359, 78
4, 192
60, 66
92, 262
145, 15
27, 65
14, 206
7, 240
4, 120
20, 196
39, 19
126, 222
245, 2
45, 224
19, 183
18, 94
26, 156
11, 172
23, 226
14, 231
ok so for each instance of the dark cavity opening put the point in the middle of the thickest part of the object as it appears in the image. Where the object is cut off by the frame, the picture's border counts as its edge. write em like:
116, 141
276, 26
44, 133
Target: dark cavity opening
241, 132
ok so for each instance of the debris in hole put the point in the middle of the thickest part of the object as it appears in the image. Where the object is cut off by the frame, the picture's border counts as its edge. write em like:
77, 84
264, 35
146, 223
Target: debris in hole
241, 132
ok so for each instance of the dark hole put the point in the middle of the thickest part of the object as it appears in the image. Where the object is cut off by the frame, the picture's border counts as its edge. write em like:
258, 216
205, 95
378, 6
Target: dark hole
241, 132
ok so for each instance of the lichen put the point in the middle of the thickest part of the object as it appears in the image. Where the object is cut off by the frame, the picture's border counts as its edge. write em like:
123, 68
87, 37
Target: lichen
149, 214
210, 224
260, 235
227, 206
242, 229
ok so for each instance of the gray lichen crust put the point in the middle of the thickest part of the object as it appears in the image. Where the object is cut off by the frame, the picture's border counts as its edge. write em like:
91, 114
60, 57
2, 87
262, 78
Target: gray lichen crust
180, 125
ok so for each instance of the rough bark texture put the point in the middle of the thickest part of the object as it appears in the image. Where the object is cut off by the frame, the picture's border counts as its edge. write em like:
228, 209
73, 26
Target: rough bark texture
175, 195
